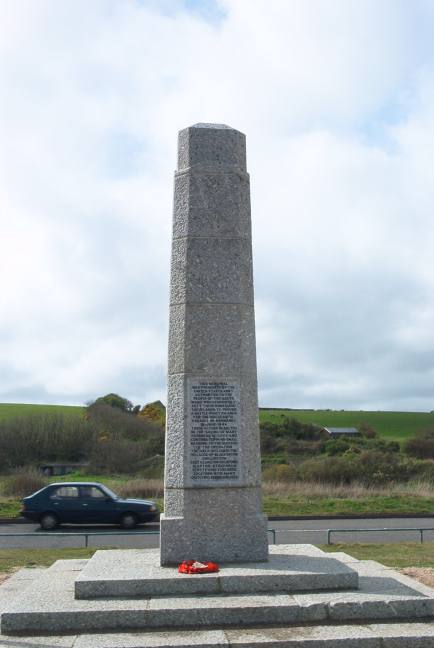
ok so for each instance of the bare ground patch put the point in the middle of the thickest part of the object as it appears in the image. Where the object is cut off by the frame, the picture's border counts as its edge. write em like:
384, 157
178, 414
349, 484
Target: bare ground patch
423, 574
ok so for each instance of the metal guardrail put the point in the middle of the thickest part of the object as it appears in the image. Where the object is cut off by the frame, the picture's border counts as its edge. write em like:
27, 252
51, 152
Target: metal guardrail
273, 532
419, 529
86, 534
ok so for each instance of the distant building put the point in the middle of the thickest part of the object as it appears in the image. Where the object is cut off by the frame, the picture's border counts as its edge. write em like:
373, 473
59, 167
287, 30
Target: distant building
337, 432
50, 469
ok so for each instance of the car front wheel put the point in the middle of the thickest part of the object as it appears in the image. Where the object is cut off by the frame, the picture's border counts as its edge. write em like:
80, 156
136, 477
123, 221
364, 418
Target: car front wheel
128, 521
48, 521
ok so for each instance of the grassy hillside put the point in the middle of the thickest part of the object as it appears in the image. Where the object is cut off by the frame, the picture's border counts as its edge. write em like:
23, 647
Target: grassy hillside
395, 426
391, 425
12, 410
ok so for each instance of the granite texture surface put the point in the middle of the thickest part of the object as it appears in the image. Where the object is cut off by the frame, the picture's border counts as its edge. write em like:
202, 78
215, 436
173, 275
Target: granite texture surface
244, 500
212, 270
212, 337
206, 538
205, 203
214, 145
133, 572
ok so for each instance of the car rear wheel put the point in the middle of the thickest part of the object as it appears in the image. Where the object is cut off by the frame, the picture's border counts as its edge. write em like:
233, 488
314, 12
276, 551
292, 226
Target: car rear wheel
129, 521
48, 521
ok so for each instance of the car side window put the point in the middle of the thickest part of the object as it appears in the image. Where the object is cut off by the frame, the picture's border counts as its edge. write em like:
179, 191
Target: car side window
65, 491
93, 492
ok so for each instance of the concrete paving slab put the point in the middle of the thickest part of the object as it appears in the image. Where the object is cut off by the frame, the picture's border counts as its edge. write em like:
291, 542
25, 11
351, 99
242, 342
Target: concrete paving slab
138, 573
175, 639
301, 637
26, 573
16, 584
71, 564
41, 641
344, 557
405, 635
392, 635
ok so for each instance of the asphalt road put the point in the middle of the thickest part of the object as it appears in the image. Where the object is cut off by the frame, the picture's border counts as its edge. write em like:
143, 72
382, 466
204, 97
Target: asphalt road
287, 532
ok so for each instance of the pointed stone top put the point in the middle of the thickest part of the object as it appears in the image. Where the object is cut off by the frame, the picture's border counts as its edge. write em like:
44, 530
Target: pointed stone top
213, 126
211, 145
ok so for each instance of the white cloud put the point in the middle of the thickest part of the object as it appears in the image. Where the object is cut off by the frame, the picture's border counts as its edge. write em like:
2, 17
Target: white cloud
336, 99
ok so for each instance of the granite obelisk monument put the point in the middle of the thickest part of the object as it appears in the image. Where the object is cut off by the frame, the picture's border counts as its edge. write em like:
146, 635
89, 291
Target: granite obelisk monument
212, 498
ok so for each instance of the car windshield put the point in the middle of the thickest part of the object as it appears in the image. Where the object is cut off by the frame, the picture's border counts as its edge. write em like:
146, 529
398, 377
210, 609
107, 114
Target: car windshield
109, 492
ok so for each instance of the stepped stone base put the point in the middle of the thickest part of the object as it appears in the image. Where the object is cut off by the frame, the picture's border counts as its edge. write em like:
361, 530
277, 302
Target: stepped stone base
388, 610
137, 573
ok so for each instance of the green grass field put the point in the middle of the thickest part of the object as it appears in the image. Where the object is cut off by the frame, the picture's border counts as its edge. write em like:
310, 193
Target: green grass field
396, 426
13, 410
398, 555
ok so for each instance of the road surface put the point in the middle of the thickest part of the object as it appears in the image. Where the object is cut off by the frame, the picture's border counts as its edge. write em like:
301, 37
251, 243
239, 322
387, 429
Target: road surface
287, 532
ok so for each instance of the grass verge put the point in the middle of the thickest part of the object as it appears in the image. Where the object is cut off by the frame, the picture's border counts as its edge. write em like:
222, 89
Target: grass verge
325, 506
399, 554
11, 559
322, 500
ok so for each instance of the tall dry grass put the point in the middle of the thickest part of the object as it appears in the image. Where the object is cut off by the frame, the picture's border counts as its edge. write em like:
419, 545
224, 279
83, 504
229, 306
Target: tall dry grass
351, 491
24, 482
142, 488
154, 489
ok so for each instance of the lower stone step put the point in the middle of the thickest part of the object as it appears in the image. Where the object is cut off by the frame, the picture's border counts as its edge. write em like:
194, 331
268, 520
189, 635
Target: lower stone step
390, 635
48, 605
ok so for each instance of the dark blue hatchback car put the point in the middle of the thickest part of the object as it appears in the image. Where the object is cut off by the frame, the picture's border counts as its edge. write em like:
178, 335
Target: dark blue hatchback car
85, 503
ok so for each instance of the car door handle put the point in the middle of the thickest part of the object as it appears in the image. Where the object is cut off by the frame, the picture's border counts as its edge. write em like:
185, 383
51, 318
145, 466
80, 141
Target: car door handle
84, 504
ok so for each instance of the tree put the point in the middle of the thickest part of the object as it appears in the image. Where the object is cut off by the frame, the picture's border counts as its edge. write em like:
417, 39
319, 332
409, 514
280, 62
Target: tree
114, 400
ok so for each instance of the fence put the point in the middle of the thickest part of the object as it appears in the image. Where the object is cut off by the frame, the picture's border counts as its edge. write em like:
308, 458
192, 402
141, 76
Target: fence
418, 529
87, 534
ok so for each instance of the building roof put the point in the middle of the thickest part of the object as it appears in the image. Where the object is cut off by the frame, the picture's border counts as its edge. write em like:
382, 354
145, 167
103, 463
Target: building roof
341, 430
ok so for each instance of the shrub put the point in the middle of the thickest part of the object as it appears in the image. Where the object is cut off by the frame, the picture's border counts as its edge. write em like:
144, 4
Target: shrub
335, 447
44, 437
24, 482
367, 431
421, 446
154, 412
332, 470
116, 456
423, 470
111, 422
280, 472
290, 435
379, 467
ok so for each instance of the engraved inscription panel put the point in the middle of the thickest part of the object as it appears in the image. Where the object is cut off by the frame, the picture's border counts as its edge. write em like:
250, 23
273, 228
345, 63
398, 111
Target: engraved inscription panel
214, 416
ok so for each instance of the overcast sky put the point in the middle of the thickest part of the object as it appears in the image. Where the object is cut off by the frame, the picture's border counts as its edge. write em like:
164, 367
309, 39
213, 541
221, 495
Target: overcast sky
336, 98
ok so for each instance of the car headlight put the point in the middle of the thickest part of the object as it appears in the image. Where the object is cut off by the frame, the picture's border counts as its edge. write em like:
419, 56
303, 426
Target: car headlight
153, 508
